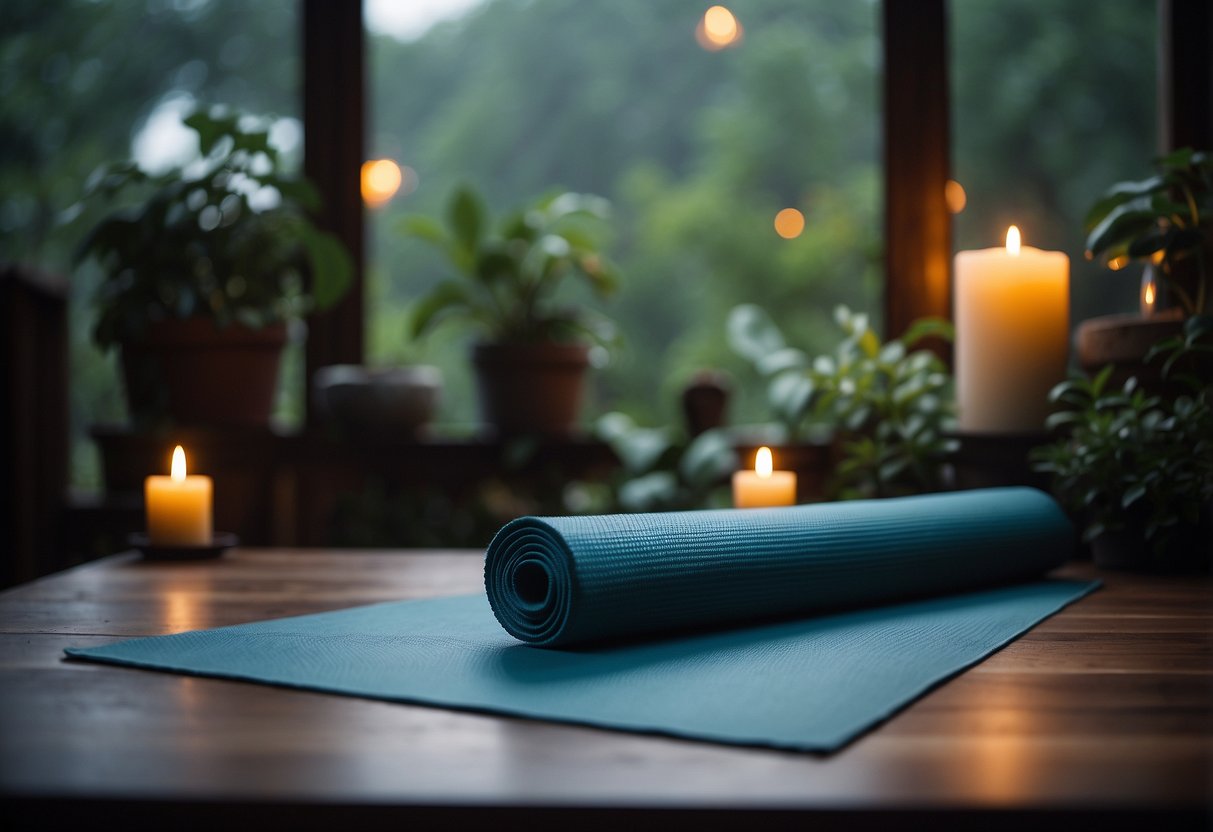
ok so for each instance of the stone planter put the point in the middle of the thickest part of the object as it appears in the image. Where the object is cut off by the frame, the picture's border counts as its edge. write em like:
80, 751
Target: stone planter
1124, 341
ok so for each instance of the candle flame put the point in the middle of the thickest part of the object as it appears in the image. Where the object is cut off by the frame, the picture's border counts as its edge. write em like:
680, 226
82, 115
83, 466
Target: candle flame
1013, 241
763, 463
177, 471
1148, 294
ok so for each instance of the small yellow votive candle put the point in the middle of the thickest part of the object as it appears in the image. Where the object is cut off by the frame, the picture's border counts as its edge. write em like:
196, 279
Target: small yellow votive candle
178, 506
764, 486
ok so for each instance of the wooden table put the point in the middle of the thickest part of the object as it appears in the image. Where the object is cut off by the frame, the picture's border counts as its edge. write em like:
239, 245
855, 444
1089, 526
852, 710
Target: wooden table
1104, 713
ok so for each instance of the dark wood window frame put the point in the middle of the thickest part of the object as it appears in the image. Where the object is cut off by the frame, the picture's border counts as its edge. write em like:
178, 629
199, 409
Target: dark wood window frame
917, 149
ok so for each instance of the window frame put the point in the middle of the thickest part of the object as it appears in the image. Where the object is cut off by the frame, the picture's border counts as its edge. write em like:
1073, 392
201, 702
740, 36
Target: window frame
915, 129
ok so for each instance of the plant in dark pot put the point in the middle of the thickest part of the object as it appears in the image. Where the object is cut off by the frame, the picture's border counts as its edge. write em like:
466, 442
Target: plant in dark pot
203, 267
1164, 221
511, 283
1138, 467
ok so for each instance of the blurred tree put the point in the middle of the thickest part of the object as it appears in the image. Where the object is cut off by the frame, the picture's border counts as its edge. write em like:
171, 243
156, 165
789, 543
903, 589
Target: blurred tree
699, 150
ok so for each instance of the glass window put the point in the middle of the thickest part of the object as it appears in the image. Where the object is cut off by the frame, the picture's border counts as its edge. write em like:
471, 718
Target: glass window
1052, 102
699, 131
86, 82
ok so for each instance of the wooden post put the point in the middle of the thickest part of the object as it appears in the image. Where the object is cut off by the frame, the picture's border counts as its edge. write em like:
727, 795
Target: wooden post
917, 157
1185, 74
334, 145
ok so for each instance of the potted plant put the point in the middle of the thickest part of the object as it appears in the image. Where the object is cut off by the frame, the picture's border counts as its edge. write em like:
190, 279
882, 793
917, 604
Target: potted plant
662, 471
202, 267
1163, 221
533, 351
886, 406
1138, 467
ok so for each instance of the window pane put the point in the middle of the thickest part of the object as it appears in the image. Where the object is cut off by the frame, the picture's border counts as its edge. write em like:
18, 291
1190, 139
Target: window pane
1053, 102
86, 82
698, 149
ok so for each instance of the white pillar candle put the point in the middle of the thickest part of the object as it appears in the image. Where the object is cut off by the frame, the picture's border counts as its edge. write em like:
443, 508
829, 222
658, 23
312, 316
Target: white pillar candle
178, 506
1012, 313
764, 486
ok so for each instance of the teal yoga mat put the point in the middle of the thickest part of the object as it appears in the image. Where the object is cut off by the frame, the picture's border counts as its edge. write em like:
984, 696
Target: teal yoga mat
694, 624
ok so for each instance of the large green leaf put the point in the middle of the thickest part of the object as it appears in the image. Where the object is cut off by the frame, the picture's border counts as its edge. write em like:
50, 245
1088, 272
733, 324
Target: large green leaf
443, 297
1150, 242
1121, 225
1180, 158
331, 267
708, 458
211, 128
752, 334
928, 328
466, 217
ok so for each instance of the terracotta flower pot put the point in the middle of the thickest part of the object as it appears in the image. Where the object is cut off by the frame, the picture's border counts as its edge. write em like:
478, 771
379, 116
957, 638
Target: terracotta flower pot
202, 374
531, 388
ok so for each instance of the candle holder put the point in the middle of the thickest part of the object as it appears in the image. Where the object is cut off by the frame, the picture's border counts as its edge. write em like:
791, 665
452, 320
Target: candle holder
220, 543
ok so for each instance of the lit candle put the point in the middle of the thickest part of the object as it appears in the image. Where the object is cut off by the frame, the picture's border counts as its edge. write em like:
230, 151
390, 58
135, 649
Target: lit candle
178, 507
1149, 292
1012, 335
764, 486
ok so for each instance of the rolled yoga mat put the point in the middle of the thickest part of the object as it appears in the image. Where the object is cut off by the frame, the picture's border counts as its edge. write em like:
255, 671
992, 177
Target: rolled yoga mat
559, 581
806, 682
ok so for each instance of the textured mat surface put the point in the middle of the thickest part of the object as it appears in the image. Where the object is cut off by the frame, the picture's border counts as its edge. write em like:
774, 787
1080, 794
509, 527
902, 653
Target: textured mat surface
568, 580
808, 683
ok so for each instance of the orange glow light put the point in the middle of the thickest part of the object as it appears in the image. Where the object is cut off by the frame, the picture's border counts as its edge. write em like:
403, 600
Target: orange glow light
718, 29
1118, 263
955, 196
764, 463
1148, 296
381, 179
1013, 241
177, 469
789, 223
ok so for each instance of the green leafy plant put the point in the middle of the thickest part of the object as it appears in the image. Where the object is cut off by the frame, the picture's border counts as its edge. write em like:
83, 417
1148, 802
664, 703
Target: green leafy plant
886, 405
662, 471
1133, 458
196, 241
1165, 218
508, 278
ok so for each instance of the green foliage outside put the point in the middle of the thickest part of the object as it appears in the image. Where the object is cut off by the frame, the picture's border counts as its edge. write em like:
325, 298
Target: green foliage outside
697, 151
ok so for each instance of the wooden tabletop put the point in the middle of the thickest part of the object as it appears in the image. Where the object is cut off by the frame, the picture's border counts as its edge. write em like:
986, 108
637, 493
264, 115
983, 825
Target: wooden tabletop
1106, 709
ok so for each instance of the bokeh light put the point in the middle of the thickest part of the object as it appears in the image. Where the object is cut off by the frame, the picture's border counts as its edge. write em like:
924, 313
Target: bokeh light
381, 179
789, 223
955, 196
718, 29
